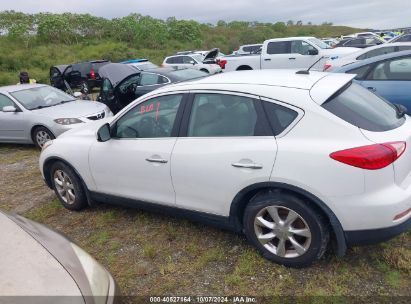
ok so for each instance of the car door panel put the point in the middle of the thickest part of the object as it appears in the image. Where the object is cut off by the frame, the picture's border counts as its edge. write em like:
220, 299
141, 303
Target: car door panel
122, 168
208, 171
135, 163
13, 125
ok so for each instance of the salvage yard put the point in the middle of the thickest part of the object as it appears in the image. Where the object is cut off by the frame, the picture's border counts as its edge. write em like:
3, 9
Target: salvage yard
150, 254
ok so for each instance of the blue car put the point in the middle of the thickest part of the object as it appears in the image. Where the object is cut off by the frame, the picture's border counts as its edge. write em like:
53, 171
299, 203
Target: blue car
387, 75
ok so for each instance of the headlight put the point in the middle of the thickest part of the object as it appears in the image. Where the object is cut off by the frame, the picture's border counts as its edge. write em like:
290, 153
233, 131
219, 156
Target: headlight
97, 276
67, 121
46, 145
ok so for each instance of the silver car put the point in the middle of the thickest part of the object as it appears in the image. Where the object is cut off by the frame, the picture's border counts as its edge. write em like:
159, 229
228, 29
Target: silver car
38, 113
39, 265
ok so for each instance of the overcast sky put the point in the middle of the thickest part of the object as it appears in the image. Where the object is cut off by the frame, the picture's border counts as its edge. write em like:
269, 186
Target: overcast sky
358, 13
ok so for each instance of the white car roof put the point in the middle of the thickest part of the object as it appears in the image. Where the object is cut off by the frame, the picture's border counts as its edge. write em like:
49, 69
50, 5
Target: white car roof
321, 85
291, 38
19, 87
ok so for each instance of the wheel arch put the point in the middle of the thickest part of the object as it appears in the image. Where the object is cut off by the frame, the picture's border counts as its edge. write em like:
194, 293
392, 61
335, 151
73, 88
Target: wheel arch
48, 163
244, 68
243, 197
37, 125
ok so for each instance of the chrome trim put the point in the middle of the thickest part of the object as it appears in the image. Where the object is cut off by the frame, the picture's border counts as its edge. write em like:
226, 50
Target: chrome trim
247, 166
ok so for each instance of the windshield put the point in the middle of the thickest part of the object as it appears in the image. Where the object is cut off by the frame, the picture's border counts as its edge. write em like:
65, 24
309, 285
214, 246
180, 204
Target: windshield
198, 57
188, 74
41, 97
319, 43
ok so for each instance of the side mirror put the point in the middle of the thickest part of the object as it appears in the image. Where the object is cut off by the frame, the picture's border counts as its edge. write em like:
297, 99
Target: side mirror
77, 94
103, 134
192, 62
312, 52
9, 109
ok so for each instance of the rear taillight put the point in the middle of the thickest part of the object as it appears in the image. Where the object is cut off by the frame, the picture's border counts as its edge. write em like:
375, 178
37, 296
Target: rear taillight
222, 63
372, 157
92, 74
327, 66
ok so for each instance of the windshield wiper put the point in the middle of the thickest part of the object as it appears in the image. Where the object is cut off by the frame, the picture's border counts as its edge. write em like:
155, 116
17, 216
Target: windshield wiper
64, 101
40, 107
400, 109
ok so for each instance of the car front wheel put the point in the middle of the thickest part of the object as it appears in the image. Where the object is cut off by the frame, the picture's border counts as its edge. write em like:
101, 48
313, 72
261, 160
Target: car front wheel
68, 187
285, 229
41, 135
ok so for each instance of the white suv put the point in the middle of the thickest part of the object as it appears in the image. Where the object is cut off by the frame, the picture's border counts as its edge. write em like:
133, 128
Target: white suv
292, 160
206, 63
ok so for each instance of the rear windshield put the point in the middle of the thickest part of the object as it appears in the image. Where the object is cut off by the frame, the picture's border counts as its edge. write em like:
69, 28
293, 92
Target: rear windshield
364, 109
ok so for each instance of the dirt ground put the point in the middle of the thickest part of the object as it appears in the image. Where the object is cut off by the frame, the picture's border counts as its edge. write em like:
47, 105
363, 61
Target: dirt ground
150, 254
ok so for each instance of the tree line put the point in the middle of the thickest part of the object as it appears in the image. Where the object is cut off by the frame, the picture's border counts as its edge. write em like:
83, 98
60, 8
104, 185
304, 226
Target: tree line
146, 31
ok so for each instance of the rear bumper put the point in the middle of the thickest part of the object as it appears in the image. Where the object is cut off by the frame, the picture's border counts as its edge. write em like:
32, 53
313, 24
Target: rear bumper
372, 236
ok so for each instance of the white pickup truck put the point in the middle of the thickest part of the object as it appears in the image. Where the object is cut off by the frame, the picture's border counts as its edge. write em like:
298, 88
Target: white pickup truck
286, 53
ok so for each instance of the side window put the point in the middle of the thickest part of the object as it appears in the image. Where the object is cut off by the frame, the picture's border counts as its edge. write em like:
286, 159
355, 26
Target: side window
149, 79
106, 87
361, 72
216, 115
279, 117
5, 102
377, 52
301, 47
151, 119
178, 60
280, 47
54, 72
396, 69
170, 60
187, 60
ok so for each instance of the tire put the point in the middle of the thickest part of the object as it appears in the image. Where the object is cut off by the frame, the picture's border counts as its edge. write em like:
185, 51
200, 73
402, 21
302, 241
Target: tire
298, 249
205, 71
41, 135
68, 187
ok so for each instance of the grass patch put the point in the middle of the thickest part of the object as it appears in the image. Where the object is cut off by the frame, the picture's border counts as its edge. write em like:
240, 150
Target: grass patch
149, 251
42, 213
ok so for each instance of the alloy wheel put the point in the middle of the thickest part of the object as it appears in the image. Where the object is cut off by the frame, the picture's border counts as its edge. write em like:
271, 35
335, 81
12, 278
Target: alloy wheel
282, 231
64, 187
42, 137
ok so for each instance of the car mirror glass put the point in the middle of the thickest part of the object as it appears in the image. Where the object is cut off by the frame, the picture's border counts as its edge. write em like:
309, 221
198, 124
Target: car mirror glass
103, 134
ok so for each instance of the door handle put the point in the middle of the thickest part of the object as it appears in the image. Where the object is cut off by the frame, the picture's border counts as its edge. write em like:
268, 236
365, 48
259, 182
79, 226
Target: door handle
247, 166
267, 59
292, 58
372, 89
157, 160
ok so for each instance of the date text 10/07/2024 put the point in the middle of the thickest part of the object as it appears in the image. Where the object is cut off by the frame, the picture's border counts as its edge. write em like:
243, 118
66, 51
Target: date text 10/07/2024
203, 299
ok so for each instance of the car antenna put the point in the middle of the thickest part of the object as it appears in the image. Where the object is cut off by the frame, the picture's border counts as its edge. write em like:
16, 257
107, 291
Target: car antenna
307, 72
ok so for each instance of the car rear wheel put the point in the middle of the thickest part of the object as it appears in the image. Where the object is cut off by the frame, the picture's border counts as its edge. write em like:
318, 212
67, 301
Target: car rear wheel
285, 229
41, 135
205, 71
68, 187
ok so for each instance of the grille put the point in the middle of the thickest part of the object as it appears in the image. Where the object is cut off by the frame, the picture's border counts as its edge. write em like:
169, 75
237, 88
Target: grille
97, 116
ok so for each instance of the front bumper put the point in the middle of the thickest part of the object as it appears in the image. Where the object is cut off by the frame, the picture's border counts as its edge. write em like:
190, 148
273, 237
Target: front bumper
372, 236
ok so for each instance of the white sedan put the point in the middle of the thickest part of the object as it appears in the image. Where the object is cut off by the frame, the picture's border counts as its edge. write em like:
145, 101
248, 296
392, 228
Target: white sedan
292, 159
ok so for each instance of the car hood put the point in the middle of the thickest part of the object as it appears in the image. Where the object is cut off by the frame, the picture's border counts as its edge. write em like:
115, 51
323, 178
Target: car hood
72, 109
27, 268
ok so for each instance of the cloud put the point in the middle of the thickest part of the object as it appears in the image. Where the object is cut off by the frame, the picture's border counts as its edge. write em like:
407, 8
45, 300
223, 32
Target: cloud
358, 13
